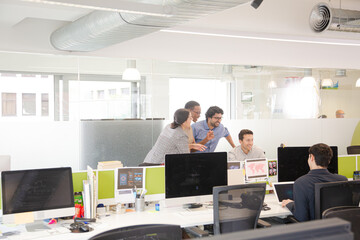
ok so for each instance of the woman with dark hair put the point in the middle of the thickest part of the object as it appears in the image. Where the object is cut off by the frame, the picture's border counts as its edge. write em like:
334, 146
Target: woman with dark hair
173, 139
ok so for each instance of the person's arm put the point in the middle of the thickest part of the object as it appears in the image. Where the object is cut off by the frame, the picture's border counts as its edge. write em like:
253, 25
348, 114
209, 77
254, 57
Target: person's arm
194, 147
209, 136
301, 209
229, 139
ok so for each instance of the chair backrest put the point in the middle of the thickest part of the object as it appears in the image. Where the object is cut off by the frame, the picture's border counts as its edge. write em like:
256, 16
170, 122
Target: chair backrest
335, 194
237, 207
348, 213
353, 149
148, 231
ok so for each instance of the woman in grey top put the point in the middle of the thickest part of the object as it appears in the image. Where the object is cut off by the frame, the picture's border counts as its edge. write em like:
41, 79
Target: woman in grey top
173, 139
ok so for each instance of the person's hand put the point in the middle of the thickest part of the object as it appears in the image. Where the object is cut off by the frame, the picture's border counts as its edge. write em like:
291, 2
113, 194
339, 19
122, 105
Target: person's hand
210, 135
285, 202
198, 147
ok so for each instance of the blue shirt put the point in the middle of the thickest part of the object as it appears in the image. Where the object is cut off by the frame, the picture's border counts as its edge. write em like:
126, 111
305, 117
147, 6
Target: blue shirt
201, 128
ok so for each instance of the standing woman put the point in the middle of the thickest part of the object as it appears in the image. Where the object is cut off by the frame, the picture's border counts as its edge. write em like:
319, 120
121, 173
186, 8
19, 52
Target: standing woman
173, 139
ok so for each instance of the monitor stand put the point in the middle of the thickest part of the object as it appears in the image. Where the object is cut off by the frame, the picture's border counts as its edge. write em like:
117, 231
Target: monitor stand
36, 226
192, 205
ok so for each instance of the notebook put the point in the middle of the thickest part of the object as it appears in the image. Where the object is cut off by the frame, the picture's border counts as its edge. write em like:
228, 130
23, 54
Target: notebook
283, 190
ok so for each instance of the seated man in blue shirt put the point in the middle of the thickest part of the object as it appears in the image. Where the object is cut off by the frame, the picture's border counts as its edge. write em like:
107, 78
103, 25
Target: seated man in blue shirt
208, 132
303, 206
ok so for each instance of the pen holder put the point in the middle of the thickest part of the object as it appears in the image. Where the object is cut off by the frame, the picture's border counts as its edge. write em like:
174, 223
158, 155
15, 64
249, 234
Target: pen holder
140, 204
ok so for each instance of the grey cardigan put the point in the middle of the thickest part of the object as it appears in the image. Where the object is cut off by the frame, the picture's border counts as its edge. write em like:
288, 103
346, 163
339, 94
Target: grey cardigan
170, 141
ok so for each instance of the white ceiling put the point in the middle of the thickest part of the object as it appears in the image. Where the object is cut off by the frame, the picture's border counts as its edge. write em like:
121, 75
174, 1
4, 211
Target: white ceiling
26, 27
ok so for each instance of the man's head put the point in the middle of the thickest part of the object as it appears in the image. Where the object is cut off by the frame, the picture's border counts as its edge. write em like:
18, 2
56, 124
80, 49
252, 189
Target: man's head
246, 140
213, 116
194, 108
321, 153
340, 113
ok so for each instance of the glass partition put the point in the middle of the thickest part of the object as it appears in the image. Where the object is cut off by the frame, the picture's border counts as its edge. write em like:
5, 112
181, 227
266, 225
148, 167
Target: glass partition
48, 101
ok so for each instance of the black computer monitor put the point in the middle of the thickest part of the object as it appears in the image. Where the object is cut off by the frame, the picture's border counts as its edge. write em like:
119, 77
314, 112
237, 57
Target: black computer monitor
293, 162
45, 193
336, 194
190, 178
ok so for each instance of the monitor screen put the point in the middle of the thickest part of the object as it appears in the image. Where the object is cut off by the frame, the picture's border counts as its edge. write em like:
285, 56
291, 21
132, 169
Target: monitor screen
293, 162
194, 174
38, 190
128, 181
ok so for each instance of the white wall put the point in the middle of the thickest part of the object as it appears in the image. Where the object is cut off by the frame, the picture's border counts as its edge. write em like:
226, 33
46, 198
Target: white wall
57, 144
41, 144
269, 134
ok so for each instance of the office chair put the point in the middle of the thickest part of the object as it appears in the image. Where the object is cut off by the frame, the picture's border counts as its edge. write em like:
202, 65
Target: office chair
353, 149
335, 194
348, 213
143, 232
237, 207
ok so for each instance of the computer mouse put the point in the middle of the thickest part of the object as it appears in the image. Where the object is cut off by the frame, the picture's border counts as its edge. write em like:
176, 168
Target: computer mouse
84, 228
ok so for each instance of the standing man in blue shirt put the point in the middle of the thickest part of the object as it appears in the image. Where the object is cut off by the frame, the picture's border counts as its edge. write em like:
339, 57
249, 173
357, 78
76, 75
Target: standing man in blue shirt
208, 132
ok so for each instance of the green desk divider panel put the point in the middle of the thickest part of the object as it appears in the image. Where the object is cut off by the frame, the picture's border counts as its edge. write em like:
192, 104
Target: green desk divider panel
356, 136
106, 184
78, 178
358, 162
347, 166
155, 180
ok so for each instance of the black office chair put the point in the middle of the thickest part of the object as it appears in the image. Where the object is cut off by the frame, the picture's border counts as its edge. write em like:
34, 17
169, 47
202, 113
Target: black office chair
348, 213
355, 149
237, 207
335, 194
143, 232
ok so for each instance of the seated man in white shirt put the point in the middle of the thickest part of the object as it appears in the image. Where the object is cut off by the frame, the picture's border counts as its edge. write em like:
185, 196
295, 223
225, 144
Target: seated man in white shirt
246, 150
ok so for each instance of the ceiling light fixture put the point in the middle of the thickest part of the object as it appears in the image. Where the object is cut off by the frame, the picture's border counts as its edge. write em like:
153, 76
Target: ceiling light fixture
308, 80
131, 73
357, 83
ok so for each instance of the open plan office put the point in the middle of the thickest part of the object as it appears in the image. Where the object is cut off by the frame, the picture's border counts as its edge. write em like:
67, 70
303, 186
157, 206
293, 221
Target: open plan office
86, 89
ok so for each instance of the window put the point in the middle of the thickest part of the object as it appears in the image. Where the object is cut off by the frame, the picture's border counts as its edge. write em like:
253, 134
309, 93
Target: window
8, 104
28, 104
207, 92
106, 104
44, 104
112, 92
125, 91
100, 94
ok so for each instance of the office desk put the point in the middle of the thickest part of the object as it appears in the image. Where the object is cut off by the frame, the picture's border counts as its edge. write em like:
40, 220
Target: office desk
175, 215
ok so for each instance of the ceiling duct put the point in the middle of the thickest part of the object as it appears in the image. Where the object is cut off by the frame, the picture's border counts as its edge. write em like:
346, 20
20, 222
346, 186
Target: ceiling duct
323, 18
100, 29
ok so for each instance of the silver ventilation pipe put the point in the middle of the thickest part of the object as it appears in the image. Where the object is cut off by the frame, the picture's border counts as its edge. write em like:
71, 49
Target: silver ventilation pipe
100, 29
323, 18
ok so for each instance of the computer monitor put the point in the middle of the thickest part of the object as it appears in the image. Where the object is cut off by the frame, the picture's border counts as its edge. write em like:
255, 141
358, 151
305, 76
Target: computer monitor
256, 169
42, 193
190, 178
292, 162
336, 194
127, 181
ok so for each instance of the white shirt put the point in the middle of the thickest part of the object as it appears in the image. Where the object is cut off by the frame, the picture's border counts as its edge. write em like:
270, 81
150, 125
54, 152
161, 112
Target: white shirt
237, 154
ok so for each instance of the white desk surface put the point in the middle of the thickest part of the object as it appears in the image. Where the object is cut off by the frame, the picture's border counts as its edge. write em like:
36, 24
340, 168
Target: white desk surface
176, 215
